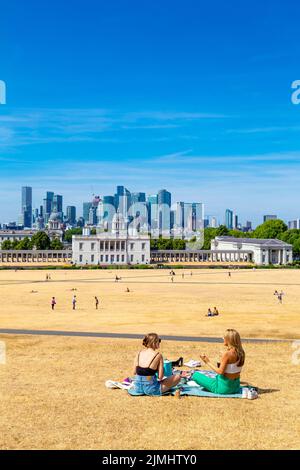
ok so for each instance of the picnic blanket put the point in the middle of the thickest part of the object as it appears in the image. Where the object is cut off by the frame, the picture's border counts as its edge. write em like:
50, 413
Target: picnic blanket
191, 388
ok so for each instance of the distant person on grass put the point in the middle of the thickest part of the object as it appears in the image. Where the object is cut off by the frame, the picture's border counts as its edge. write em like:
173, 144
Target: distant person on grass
147, 363
216, 311
227, 380
280, 296
209, 313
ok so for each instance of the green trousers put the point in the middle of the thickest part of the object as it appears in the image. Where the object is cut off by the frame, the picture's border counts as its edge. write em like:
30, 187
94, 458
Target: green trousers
220, 384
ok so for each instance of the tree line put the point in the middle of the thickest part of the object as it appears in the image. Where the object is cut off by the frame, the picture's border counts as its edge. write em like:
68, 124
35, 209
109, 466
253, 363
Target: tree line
269, 229
39, 241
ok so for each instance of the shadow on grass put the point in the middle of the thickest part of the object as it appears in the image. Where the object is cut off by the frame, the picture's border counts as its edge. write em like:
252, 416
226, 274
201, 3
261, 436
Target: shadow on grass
261, 391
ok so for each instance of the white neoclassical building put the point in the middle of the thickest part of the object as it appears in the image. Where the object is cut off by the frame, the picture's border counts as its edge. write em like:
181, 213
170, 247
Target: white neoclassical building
114, 247
264, 251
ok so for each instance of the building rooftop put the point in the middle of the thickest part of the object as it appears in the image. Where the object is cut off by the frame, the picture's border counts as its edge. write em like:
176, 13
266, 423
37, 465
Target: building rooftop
255, 241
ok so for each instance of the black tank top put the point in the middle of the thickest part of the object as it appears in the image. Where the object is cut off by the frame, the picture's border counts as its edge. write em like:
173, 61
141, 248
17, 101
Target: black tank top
144, 371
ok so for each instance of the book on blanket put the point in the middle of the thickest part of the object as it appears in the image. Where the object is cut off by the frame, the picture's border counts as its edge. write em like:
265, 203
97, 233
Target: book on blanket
192, 363
115, 384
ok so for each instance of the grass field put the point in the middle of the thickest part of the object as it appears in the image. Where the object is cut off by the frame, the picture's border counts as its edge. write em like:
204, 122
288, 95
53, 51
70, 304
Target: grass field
245, 301
53, 397
52, 392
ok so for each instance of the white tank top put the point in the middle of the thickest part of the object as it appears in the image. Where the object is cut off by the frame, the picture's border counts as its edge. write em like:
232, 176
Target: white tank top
233, 368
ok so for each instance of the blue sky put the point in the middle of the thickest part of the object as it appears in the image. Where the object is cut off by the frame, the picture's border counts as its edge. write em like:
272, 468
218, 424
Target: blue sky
191, 96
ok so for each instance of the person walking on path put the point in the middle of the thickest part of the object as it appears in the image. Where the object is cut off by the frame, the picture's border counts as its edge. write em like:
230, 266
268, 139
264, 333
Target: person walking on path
96, 302
53, 303
74, 300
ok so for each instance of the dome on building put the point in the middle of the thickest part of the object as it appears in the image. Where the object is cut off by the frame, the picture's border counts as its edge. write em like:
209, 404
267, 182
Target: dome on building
54, 221
54, 217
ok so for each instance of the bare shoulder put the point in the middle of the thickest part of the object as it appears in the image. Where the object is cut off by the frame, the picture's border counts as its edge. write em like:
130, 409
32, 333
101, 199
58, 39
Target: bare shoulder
230, 355
158, 357
227, 355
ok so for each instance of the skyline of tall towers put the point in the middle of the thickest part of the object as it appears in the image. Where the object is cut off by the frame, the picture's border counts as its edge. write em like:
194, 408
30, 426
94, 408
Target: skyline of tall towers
154, 212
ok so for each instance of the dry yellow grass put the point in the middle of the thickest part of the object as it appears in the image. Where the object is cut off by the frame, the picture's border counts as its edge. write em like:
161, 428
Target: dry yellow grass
245, 301
53, 397
52, 393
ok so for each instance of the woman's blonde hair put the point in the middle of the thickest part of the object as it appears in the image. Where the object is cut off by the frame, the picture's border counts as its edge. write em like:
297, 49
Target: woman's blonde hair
151, 341
233, 340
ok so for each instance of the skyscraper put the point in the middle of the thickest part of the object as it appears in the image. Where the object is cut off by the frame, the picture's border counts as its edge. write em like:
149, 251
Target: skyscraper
189, 217
86, 210
152, 205
47, 204
269, 217
213, 222
138, 197
248, 226
105, 212
26, 206
57, 205
164, 212
92, 219
235, 221
122, 200
294, 224
71, 215
229, 219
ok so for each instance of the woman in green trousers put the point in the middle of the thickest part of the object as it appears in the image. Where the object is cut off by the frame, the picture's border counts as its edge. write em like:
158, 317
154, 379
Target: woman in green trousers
227, 380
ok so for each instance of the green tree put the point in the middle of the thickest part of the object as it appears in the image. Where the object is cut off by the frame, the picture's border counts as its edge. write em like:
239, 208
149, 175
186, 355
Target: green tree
296, 246
270, 229
292, 237
56, 244
238, 234
164, 244
41, 241
167, 244
6, 245
153, 244
73, 231
25, 244
222, 231
209, 234
179, 244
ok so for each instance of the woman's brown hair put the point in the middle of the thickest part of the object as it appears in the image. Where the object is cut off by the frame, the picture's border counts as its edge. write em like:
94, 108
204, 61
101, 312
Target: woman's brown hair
234, 341
151, 340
